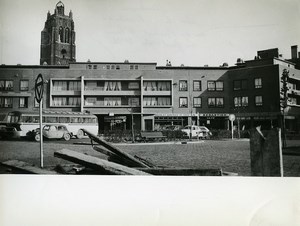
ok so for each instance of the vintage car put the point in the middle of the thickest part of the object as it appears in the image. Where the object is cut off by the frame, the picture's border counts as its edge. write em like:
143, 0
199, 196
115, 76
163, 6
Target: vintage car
197, 131
53, 131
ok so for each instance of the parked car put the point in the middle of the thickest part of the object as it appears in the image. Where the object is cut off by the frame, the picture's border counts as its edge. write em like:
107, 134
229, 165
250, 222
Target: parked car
197, 131
172, 127
51, 132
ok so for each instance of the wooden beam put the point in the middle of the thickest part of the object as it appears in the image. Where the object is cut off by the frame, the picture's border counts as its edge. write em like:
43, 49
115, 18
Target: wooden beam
24, 167
96, 163
182, 171
134, 162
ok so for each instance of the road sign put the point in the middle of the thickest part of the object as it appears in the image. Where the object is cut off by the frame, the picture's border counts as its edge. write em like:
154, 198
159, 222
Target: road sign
232, 117
39, 88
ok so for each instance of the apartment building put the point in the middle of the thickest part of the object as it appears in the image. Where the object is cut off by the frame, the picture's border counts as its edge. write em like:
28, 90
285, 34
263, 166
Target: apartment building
147, 96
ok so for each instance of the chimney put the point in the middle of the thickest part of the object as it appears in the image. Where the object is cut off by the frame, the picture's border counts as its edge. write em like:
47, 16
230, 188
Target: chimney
294, 50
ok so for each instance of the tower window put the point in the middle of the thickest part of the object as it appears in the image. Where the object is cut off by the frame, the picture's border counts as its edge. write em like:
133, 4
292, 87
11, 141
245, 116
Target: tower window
67, 35
63, 52
61, 34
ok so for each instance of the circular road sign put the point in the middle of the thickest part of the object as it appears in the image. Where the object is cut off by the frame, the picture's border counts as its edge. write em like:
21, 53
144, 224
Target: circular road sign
39, 88
232, 117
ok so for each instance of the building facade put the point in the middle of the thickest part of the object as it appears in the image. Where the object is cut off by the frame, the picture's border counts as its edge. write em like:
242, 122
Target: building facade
147, 96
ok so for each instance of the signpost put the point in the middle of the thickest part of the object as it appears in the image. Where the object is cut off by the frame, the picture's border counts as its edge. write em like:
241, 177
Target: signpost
39, 91
232, 118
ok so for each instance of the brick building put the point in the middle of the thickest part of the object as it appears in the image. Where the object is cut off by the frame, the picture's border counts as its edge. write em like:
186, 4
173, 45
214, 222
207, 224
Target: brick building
150, 95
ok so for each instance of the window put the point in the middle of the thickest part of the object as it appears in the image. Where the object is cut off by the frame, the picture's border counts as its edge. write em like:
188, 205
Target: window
197, 85
7, 85
131, 67
112, 101
220, 102
59, 101
150, 86
240, 84
112, 67
258, 83
211, 102
108, 67
136, 67
36, 104
61, 34
219, 86
293, 100
197, 102
183, 102
74, 101
211, 86
74, 85
157, 101
118, 67
23, 103
112, 86
94, 66
240, 101
67, 33
133, 101
24, 85
215, 102
163, 86
90, 101
6, 102
59, 85
183, 85
258, 101
133, 85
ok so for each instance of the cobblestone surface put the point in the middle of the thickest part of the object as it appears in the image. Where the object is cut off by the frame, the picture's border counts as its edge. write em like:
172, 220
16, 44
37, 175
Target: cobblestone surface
231, 156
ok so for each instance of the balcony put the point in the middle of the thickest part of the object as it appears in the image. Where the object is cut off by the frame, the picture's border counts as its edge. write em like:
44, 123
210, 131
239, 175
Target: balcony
66, 92
99, 91
157, 93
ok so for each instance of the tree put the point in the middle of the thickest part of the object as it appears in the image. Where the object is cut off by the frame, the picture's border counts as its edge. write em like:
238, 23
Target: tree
284, 101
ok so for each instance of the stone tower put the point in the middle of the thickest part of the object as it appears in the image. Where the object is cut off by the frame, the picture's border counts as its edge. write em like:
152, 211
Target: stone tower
58, 38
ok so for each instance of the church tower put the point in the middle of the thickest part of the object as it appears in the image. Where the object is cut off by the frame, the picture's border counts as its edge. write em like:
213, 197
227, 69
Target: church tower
58, 38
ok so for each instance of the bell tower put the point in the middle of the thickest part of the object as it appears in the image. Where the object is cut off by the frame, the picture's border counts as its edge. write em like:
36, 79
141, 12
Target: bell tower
58, 38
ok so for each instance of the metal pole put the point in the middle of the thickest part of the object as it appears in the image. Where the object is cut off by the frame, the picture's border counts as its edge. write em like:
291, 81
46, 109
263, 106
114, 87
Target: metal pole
231, 129
41, 133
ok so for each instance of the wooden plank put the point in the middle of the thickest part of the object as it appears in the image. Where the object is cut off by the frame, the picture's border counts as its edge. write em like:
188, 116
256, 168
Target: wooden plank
96, 163
24, 167
266, 153
182, 171
134, 162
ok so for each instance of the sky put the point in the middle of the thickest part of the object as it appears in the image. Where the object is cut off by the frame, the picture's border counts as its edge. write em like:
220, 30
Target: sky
189, 32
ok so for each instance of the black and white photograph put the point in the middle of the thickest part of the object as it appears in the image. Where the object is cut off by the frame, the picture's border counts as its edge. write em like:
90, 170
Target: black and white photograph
136, 112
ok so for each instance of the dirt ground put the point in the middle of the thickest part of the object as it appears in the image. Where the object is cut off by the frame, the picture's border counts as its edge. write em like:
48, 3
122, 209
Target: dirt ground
231, 156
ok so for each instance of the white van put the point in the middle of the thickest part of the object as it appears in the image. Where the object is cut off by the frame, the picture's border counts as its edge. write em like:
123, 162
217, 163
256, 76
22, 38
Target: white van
197, 131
